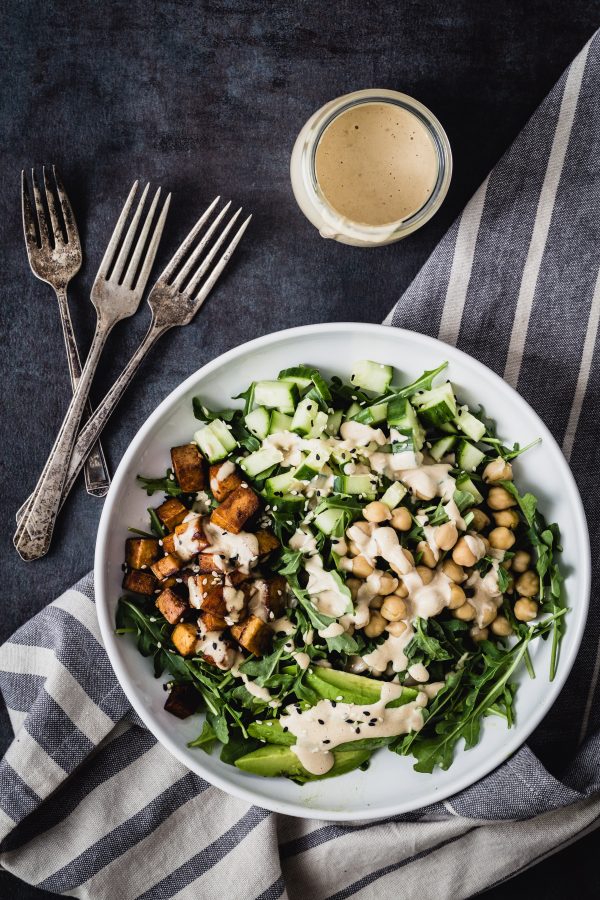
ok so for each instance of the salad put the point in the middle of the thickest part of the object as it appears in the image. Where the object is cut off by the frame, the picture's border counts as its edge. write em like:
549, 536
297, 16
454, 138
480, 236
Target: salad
337, 567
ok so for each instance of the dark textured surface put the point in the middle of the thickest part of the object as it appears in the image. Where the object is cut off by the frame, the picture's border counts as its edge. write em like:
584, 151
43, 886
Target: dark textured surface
204, 98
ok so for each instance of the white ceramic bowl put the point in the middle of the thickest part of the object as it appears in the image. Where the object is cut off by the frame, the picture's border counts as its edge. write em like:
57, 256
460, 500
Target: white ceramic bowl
390, 786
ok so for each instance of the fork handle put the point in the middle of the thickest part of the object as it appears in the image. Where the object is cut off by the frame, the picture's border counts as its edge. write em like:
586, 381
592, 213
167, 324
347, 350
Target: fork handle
91, 430
35, 530
97, 478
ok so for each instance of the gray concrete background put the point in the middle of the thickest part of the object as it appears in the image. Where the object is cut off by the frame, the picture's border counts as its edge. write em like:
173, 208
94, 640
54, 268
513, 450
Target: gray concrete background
205, 98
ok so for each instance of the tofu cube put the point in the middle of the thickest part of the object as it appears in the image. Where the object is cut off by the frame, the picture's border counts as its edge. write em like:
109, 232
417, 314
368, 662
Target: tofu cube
212, 621
235, 510
139, 582
253, 635
189, 537
188, 465
184, 637
171, 605
171, 513
183, 701
166, 566
168, 544
267, 542
228, 482
141, 552
206, 593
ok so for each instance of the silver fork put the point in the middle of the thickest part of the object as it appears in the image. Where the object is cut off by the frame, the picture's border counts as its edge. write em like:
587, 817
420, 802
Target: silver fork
55, 257
116, 295
174, 301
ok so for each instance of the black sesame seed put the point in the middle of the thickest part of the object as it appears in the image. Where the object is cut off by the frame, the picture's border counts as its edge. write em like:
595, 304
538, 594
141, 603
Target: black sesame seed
326, 742
372, 724
333, 703
214, 645
365, 712
321, 721
357, 730
285, 728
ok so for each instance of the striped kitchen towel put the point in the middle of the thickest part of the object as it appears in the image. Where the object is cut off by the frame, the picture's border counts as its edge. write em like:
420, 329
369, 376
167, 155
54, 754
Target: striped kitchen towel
91, 806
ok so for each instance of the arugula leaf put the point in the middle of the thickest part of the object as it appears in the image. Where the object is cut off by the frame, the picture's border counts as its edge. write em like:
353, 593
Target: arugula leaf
206, 739
342, 643
422, 383
167, 484
155, 524
204, 414
261, 668
426, 644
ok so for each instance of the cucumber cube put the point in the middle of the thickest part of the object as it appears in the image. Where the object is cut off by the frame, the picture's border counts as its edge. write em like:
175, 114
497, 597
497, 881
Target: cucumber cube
371, 376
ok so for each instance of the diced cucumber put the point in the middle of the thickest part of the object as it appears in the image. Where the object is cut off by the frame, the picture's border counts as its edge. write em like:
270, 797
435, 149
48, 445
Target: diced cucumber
304, 416
281, 395
289, 504
437, 405
356, 484
215, 440
442, 447
402, 416
341, 455
312, 464
300, 375
328, 520
262, 459
280, 484
469, 424
464, 483
258, 422
371, 376
394, 494
279, 422
334, 420
352, 410
319, 426
372, 415
468, 457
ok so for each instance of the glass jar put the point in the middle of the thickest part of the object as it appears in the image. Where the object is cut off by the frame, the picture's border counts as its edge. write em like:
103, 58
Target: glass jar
311, 199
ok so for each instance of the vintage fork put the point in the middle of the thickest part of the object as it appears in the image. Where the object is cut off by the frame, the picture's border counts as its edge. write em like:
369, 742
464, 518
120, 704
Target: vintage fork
174, 300
116, 295
55, 257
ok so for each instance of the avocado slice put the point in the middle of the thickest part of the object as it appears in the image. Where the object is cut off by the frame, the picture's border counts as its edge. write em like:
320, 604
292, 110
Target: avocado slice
274, 760
331, 684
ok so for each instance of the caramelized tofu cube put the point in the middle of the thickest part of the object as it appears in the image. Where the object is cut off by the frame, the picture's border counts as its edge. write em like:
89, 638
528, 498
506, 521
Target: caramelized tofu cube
223, 480
189, 538
166, 566
267, 542
188, 467
171, 605
253, 635
212, 621
209, 562
235, 510
139, 582
183, 701
171, 513
168, 544
184, 637
206, 593
236, 577
141, 552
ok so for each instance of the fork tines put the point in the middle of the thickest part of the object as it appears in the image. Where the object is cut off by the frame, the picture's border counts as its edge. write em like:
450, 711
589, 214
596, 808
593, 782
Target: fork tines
185, 271
52, 208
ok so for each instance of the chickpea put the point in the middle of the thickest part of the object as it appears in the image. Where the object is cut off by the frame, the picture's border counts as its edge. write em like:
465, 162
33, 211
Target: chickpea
377, 512
425, 574
525, 609
465, 613
361, 567
501, 538
501, 626
401, 519
353, 584
401, 590
499, 498
375, 626
479, 634
394, 608
457, 596
509, 518
353, 549
408, 556
396, 628
528, 585
455, 573
427, 554
376, 602
498, 470
487, 616
506, 564
463, 555
387, 584
480, 520
446, 535
367, 527
521, 561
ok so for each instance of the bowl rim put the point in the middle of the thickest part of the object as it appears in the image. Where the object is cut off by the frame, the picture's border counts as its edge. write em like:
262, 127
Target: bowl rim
432, 794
